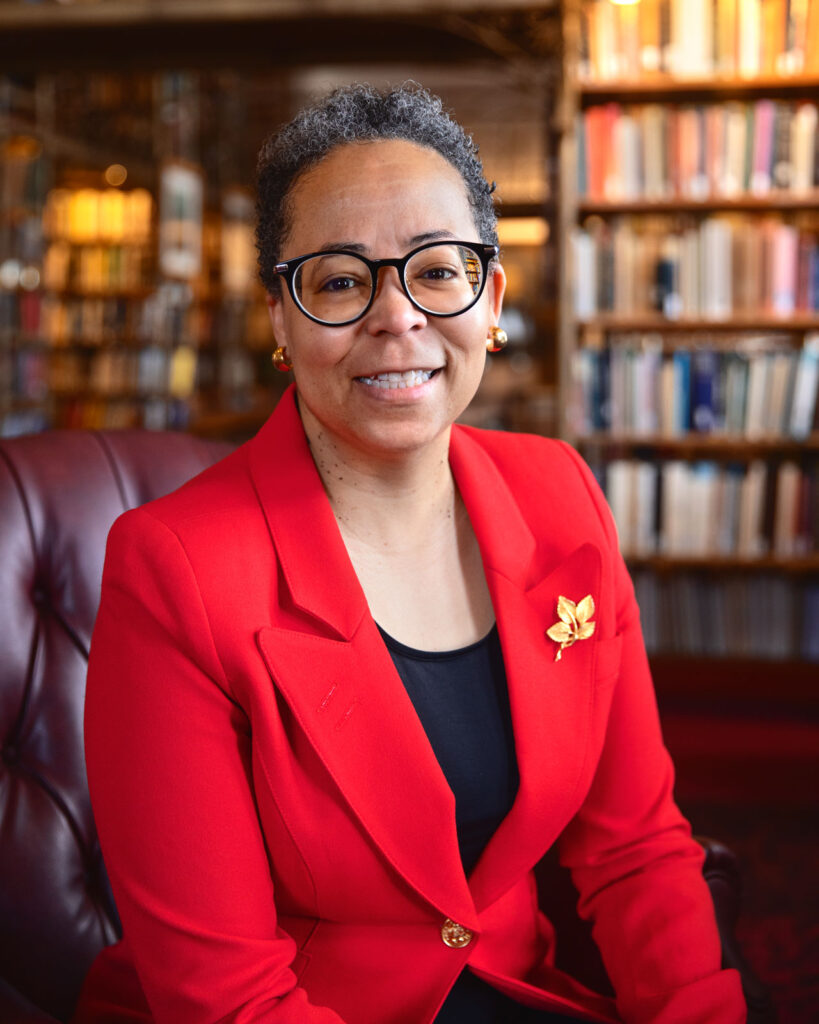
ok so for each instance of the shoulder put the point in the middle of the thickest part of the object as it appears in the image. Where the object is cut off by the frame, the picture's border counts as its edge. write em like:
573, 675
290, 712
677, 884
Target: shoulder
202, 511
530, 463
550, 482
511, 451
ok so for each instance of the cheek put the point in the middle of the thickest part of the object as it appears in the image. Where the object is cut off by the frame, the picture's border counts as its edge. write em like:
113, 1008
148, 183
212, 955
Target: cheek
315, 351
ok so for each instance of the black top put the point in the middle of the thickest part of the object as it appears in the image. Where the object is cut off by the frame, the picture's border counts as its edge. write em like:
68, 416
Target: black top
463, 703
462, 700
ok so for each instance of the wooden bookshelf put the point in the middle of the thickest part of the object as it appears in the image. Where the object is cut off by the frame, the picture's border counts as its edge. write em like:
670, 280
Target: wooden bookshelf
619, 212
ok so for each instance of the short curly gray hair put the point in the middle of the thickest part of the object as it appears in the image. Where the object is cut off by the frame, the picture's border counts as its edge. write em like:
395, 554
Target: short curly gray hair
359, 113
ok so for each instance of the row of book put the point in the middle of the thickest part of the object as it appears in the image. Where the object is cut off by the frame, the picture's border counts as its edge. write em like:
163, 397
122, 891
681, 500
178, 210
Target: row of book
734, 615
33, 375
170, 315
98, 268
109, 216
635, 388
150, 414
655, 151
156, 319
703, 509
125, 372
714, 267
24, 175
694, 38
24, 421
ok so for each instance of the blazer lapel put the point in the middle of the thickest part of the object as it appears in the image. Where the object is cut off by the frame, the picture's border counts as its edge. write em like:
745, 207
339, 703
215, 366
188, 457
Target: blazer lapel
549, 699
327, 660
331, 666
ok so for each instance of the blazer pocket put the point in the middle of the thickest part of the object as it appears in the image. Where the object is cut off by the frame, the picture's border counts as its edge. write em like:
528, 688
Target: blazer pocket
607, 661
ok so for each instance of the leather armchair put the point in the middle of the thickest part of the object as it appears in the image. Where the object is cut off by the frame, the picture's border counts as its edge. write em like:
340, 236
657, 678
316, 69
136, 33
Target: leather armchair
59, 494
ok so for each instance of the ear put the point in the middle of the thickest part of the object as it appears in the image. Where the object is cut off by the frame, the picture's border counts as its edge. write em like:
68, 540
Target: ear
275, 311
496, 287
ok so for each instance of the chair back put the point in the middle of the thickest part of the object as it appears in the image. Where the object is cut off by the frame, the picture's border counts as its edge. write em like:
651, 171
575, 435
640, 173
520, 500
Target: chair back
59, 494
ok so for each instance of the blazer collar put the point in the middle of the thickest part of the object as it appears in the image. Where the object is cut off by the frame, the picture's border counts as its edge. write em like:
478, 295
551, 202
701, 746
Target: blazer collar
301, 522
354, 708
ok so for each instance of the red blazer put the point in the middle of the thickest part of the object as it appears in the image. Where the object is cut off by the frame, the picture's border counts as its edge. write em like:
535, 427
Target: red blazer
279, 835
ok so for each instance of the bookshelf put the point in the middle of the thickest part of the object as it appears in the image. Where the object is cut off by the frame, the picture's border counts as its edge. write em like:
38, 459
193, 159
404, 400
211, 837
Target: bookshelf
127, 294
688, 332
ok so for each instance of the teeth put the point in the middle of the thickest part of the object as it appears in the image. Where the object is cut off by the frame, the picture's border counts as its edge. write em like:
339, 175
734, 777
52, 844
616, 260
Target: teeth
390, 381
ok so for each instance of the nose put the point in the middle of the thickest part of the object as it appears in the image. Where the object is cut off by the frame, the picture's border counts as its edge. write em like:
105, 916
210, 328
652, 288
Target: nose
391, 311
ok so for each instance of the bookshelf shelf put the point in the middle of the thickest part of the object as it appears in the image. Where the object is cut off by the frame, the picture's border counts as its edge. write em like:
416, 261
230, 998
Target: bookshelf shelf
705, 446
510, 210
114, 395
808, 564
608, 323
664, 89
779, 200
130, 294
229, 424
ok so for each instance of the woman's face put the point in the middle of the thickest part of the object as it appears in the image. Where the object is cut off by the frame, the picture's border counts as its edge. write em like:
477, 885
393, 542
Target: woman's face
383, 198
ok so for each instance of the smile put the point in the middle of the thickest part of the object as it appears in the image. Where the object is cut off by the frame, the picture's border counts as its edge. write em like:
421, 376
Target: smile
393, 381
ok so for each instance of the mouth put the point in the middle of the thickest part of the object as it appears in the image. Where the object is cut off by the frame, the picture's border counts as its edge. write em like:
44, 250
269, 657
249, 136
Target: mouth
394, 380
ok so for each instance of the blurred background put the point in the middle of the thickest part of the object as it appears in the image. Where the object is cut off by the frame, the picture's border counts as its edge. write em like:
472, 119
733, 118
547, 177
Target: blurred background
658, 190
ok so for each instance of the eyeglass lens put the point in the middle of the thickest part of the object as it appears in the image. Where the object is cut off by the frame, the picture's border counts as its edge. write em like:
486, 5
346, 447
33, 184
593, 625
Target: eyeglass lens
336, 287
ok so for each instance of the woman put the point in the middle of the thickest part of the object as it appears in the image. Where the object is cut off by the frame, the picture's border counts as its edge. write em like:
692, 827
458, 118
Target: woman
349, 685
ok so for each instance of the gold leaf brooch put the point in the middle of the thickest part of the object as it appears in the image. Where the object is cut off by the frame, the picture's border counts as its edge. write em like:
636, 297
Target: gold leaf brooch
575, 622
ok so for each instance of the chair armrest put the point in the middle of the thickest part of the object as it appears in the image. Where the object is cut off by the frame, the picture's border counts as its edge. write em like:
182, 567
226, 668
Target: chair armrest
16, 1009
721, 872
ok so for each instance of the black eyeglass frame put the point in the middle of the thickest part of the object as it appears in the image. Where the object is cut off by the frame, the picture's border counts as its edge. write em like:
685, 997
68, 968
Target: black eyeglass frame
287, 269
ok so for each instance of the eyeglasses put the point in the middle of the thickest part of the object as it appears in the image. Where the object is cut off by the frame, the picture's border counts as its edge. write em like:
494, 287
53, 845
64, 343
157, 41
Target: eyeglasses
338, 287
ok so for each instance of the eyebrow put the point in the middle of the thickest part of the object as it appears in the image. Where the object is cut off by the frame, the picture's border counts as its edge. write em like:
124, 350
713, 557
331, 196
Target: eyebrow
426, 236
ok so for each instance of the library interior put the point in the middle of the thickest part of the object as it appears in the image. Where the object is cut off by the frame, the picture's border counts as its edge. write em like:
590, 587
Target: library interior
657, 169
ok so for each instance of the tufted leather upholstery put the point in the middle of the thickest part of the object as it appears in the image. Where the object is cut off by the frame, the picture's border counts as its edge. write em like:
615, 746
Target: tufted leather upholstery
59, 494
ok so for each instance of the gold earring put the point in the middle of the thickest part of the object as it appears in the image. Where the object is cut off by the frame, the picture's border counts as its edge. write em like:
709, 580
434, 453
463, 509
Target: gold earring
496, 339
281, 360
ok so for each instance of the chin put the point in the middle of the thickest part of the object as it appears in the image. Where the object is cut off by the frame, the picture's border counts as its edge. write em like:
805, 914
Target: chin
402, 440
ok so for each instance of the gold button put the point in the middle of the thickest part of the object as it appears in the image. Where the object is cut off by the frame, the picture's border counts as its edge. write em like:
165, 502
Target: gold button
455, 935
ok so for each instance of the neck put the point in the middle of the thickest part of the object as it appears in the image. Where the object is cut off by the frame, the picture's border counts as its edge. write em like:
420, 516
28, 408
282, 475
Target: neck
394, 499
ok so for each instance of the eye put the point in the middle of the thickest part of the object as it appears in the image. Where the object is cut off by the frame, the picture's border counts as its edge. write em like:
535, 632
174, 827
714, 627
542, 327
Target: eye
434, 272
438, 273
339, 284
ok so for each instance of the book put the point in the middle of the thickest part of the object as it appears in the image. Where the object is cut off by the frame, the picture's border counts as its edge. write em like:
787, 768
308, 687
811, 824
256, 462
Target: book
763, 138
748, 35
805, 388
750, 532
704, 371
788, 484
802, 149
784, 265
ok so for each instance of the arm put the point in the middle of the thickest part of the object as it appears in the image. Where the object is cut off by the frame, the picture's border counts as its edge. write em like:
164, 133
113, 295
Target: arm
168, 753
631, 855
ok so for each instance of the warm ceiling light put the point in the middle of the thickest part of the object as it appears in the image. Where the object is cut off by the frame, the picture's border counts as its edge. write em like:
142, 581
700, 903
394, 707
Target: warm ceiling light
115, 175
522, 230
625, 3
